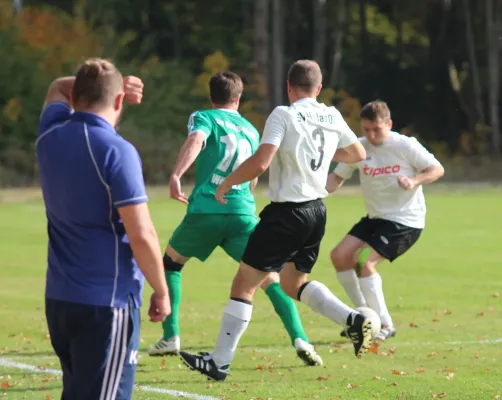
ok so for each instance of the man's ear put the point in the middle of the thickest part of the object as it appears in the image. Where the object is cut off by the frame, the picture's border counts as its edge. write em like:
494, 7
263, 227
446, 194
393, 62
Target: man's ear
119, 99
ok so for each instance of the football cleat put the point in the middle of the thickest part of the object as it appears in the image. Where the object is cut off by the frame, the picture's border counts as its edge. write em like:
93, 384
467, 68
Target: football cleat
205, 364
169, 347
359, 332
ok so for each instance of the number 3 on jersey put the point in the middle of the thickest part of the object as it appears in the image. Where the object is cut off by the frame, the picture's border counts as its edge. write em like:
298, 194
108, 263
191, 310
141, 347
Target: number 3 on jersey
316, 164
233, 145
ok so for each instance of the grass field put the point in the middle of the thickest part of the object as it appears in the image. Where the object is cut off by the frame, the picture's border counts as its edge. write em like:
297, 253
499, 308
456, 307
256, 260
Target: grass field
443, 295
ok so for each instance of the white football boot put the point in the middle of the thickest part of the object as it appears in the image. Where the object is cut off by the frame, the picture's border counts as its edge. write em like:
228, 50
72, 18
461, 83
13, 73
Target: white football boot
169, 347
307, 353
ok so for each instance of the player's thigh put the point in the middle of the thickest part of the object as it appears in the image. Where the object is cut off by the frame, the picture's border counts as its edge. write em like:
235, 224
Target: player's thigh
197, 236
391, 239
345, 253
278, 235
314, 218
104, 354
239, 229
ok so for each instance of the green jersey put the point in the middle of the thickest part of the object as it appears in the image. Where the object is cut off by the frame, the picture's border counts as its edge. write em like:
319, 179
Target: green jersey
230, 139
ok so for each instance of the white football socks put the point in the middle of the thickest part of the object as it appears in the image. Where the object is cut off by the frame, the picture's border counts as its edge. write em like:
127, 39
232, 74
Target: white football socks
234, 323
320, 299
350, 282
371, 287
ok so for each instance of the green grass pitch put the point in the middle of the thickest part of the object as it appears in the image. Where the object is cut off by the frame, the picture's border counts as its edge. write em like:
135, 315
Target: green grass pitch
443, 295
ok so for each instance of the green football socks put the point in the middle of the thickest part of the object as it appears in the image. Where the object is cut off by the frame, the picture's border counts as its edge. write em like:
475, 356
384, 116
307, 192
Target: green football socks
171, 324
285, 307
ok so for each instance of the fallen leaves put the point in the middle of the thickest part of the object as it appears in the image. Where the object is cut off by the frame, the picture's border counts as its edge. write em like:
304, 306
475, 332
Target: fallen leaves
480, 314
396, 372
439, 396
420, 370
5, 385
413, 325
450, 376
321, 378
434, 353
495, 294
351, 386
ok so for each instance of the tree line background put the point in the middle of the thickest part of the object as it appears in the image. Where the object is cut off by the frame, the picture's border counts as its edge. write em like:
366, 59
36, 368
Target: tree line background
437, 63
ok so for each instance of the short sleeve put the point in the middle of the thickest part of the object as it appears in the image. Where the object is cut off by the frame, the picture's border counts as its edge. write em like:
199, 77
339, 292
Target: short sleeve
199, 122
345, 171
420, 157
126, 176
275, 128
347, 136
53, 114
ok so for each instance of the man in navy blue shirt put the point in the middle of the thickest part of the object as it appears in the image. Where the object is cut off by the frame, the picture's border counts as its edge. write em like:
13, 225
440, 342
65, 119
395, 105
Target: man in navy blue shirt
102, 242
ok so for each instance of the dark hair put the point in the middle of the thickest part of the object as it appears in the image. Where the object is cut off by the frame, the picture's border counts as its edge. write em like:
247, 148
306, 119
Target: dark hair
305, 74
97, 82
375, 110
225, 87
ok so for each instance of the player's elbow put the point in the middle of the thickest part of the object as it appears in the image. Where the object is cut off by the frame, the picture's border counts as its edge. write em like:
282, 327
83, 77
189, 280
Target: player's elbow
440, 171
359, 153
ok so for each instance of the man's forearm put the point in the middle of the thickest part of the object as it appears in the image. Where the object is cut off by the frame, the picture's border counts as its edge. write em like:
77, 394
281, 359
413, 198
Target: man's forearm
188, 154
334, 182
429, 175
147, 253
248, 170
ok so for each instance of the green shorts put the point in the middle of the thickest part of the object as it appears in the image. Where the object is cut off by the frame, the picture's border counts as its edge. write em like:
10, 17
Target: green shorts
199, 234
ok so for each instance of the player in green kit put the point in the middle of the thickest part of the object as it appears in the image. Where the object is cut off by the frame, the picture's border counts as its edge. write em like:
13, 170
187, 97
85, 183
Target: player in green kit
219, 140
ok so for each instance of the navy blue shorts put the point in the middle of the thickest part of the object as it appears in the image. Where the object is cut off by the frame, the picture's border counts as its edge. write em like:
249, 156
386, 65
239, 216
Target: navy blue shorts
97, 348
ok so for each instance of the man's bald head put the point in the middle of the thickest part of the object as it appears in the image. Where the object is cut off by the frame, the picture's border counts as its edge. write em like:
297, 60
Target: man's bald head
305, 75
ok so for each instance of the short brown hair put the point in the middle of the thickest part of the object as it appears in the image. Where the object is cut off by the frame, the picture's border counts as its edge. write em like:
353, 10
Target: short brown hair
97, 82
375, 110
305, 74
225, 87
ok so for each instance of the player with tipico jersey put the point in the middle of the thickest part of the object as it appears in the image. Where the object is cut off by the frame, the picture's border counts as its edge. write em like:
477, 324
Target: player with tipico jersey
298, 143
219, 140
391, 177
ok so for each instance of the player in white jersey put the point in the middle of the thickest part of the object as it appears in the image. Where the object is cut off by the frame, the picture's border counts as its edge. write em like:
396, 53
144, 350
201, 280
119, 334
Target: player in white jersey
298, 143
392, 175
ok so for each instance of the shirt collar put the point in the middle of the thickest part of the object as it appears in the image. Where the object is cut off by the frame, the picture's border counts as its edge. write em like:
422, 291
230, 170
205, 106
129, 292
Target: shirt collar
227, 110
92, 119
306, 100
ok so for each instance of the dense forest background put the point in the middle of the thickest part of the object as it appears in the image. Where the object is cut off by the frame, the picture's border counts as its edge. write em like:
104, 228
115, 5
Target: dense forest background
437, 63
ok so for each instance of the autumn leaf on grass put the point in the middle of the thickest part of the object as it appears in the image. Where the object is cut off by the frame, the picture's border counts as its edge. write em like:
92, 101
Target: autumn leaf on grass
163, 364
420, 370
439, 396
374, 348
446, 369
450, 376
413, 325
351, 386
394, 384
476, 355
5, 385
260, 368
392, 350
435, 320
446, 312
495, 294
496, 396
434, 353
321, 378
396, 372
480, 314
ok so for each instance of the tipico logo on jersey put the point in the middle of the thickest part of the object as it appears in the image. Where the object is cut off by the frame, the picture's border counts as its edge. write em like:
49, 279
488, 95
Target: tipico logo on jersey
387, 170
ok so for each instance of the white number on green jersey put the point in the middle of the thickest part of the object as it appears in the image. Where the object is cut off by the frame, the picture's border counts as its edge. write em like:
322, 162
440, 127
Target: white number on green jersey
232, 145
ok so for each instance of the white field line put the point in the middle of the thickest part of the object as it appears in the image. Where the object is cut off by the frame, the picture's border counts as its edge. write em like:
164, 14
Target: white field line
6, 362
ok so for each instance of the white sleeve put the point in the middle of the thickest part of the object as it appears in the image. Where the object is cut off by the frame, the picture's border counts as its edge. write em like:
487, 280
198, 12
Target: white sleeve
347, 136
345, 171
420, 157
275, 128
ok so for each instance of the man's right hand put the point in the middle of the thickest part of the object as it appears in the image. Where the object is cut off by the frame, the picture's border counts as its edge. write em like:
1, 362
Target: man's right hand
160, 308
175, 188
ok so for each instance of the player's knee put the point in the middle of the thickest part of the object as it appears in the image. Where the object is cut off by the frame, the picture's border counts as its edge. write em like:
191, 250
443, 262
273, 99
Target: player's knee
171, 265
341, 261
368, 268
291, 288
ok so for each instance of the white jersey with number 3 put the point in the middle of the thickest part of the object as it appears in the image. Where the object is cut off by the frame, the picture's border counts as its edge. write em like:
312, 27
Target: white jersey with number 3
307, 134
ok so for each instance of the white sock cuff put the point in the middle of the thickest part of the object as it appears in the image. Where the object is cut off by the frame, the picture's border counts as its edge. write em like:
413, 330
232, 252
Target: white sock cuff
346, 276
369, 281
238, 309
311, 287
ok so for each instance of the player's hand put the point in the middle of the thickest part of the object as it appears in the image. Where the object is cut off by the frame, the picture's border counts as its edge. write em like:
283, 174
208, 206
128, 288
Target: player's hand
221, 191
160, 308
175, 188
407, 183
133, 88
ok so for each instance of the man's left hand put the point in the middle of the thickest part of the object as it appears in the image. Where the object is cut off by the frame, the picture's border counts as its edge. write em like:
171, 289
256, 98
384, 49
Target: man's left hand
133, 88
407, 183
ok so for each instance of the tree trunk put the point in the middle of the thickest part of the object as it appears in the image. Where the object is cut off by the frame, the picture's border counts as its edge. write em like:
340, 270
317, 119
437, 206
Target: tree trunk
476, 82
341, 13
278, 81
261, 38
319, 32
493, 72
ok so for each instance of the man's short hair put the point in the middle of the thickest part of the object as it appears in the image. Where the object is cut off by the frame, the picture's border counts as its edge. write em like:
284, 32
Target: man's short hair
375, 110
305, 75
225, 87
97, 83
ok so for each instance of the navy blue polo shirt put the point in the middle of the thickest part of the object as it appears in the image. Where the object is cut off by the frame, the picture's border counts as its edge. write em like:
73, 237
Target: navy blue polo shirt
87, 171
